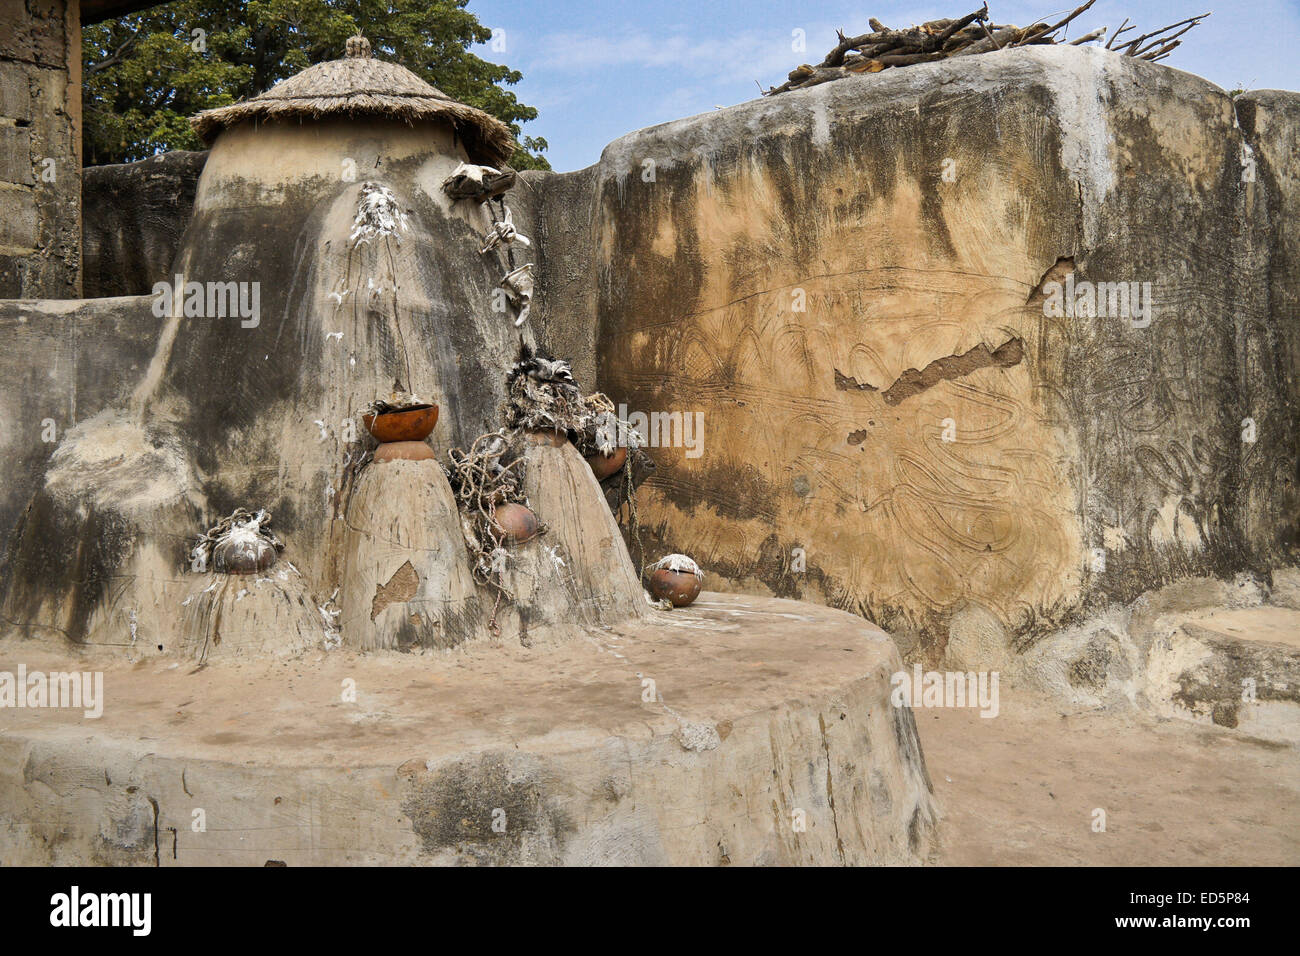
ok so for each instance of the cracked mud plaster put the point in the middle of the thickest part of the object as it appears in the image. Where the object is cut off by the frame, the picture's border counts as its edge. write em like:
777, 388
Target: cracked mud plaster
400, 588
1063, 267
830, 788
914, 381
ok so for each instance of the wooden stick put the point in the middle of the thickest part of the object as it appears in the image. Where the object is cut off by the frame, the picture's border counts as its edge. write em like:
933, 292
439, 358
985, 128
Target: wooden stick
1078, 11
1115, 35
1031, 32
1089, 37
964, 37
1155, 43
916, 39
876, 49
1134, 44
981, 15
836, 56
999, 40
821, 74
907, 59
1162, 52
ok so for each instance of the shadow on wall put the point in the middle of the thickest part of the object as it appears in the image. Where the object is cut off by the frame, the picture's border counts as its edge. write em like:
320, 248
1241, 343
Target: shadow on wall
133, 218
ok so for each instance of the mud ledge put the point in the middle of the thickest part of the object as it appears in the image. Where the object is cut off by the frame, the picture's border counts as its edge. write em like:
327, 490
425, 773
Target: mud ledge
760, 708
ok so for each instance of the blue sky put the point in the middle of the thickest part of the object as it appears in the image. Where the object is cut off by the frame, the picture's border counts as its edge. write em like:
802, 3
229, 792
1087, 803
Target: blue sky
596, 69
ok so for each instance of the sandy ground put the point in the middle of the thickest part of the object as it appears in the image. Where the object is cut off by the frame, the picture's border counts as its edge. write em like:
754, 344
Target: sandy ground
1020, 789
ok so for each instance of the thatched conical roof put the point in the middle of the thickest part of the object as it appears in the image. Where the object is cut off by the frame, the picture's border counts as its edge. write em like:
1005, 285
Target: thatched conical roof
360, 85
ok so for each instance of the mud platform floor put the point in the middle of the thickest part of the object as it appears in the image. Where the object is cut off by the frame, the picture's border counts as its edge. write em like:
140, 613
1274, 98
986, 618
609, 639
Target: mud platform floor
1020, 789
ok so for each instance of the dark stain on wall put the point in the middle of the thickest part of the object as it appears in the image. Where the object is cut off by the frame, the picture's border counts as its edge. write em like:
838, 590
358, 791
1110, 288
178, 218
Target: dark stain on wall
945, 369
454, 806
133, 218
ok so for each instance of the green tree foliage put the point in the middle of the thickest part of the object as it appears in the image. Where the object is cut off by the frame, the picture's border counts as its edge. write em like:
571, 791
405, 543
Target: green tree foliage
145, 75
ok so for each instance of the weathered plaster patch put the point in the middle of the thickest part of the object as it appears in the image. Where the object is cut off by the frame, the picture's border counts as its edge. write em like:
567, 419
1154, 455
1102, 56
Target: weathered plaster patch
1080, 86
821, 123
1173, 525
912, 382
401, 587
110, 461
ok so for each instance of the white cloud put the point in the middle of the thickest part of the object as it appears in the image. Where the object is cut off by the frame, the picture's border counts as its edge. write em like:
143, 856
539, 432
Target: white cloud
697, 56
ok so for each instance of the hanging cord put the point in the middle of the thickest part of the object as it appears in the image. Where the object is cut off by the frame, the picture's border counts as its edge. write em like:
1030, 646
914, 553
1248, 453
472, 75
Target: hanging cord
627, 496
510, 251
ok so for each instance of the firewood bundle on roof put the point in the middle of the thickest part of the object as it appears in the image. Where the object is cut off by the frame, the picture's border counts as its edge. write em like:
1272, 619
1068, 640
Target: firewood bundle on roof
974, 33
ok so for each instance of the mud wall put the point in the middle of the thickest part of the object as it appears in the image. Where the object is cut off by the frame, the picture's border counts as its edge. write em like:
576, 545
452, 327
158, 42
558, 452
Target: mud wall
556, 211
1270, 122
62, 362
133, 218
850, 284
40, 149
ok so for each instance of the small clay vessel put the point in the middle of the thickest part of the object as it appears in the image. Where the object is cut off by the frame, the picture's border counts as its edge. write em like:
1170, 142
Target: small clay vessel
403, 451
602, 466
679, 587
243, 554
515, 523
410, 424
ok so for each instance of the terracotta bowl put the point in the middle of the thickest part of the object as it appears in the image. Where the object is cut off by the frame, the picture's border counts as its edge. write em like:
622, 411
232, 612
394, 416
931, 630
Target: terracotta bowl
243, 557
680, 587
403, 451
412, 424
602, 466
515, 523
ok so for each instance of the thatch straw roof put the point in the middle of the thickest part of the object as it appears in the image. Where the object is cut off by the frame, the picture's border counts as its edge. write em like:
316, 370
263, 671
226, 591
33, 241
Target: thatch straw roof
360, 85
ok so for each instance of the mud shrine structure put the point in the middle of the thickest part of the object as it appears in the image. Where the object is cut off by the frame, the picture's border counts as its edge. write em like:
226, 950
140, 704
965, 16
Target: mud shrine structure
847, 322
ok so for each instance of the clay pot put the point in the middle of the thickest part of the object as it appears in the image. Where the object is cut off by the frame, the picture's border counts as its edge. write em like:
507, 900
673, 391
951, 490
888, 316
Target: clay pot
410, 424
515, 523
403, 451
680, 587
243, 554
602, 466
